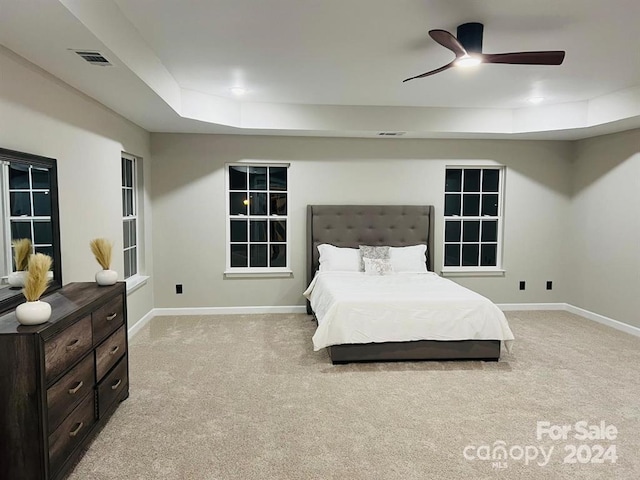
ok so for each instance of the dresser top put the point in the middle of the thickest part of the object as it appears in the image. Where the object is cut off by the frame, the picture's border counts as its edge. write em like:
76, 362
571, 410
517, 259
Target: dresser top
74, 298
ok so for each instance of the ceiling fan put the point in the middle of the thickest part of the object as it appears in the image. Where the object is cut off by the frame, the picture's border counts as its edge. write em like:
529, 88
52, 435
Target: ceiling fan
467, 47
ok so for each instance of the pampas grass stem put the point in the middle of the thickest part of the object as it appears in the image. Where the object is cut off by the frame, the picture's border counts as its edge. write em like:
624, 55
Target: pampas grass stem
101, 248
38, 277
21, 253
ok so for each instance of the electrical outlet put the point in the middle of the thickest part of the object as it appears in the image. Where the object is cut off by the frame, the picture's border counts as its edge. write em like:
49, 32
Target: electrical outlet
549, 285
178, 288
521, 285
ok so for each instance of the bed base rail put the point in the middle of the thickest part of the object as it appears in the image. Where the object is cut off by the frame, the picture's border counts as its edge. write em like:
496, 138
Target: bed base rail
487, 350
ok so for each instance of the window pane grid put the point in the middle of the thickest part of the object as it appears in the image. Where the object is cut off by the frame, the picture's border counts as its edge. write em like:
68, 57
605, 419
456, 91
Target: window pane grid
30, 208
257, 216
473, 217
129, 217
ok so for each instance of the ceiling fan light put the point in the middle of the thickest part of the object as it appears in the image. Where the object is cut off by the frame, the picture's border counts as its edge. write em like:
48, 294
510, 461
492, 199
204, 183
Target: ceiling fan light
468, 61
238, 91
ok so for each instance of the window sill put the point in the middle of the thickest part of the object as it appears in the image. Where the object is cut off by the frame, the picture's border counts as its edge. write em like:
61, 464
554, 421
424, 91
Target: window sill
258, 273
5, 279
472, 272
135, 282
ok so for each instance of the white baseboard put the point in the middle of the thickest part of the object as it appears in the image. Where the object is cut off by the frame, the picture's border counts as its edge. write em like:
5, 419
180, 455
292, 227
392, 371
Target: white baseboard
507, 307
136, 327
161, 312
609, 322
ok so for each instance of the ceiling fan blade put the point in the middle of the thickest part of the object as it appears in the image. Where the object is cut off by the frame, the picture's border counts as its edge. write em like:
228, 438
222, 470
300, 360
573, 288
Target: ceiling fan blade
432, 72
526, 58
447, 40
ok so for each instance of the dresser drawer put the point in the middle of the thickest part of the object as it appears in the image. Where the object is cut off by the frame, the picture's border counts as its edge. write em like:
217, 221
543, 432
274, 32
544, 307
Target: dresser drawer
107, 318
69, 391
111, 350
112, 387
71, 432
67, 347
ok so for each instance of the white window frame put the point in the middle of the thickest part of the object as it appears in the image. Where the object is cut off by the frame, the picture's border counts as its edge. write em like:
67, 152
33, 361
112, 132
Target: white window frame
479, 270
256, 271
134, 217
7, 261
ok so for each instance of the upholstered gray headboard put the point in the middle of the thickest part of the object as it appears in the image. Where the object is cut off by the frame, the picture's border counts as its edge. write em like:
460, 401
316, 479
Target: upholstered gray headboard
353, 225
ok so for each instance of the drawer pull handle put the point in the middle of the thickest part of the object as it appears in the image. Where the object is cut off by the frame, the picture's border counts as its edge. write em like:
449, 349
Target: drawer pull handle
114, 350
116, 385
76, 388
75, 431
111, 316
73, 344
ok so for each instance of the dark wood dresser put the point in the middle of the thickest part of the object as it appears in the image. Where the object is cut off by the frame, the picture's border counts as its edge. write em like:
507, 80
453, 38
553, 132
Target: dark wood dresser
60, 381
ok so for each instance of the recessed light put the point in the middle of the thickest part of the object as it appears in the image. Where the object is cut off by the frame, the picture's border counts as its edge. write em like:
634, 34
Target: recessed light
238, 91
536, 100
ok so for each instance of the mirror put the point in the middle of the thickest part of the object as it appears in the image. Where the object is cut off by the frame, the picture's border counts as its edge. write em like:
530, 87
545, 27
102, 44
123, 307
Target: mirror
29, 201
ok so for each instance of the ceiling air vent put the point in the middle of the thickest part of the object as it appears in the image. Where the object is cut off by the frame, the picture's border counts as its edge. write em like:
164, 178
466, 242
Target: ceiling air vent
391, 134
94, 58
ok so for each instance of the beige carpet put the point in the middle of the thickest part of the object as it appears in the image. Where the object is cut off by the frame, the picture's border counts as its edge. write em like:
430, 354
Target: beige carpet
245, 397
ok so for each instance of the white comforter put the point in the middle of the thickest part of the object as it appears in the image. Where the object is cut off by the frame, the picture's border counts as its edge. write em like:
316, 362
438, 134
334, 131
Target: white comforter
359, 308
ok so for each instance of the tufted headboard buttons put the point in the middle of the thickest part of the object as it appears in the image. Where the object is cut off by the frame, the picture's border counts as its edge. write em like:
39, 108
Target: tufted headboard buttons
354, 225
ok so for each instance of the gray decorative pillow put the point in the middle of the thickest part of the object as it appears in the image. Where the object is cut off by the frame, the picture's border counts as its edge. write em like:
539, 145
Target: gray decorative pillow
377, 266
367, 251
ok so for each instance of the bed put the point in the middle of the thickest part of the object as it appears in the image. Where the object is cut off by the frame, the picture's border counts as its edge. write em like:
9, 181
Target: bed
394, 226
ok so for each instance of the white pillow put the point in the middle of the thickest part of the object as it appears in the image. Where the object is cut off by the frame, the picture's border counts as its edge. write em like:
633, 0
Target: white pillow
411, 259
377, 266
337, 259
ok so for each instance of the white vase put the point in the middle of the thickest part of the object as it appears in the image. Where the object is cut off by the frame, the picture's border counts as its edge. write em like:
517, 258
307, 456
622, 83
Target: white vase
33, 313
16, 279
106, 277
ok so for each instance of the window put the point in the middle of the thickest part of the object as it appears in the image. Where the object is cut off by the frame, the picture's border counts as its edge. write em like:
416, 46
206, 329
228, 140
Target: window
30, 206
257, 224
472, 218
130, 215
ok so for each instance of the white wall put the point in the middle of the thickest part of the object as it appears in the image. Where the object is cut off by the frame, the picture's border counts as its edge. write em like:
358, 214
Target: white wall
41, 115
188, 204
605, 227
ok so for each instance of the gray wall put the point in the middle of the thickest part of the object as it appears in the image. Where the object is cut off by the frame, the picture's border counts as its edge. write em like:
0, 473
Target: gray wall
605, 227
570, 207
188, 201
39, 114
